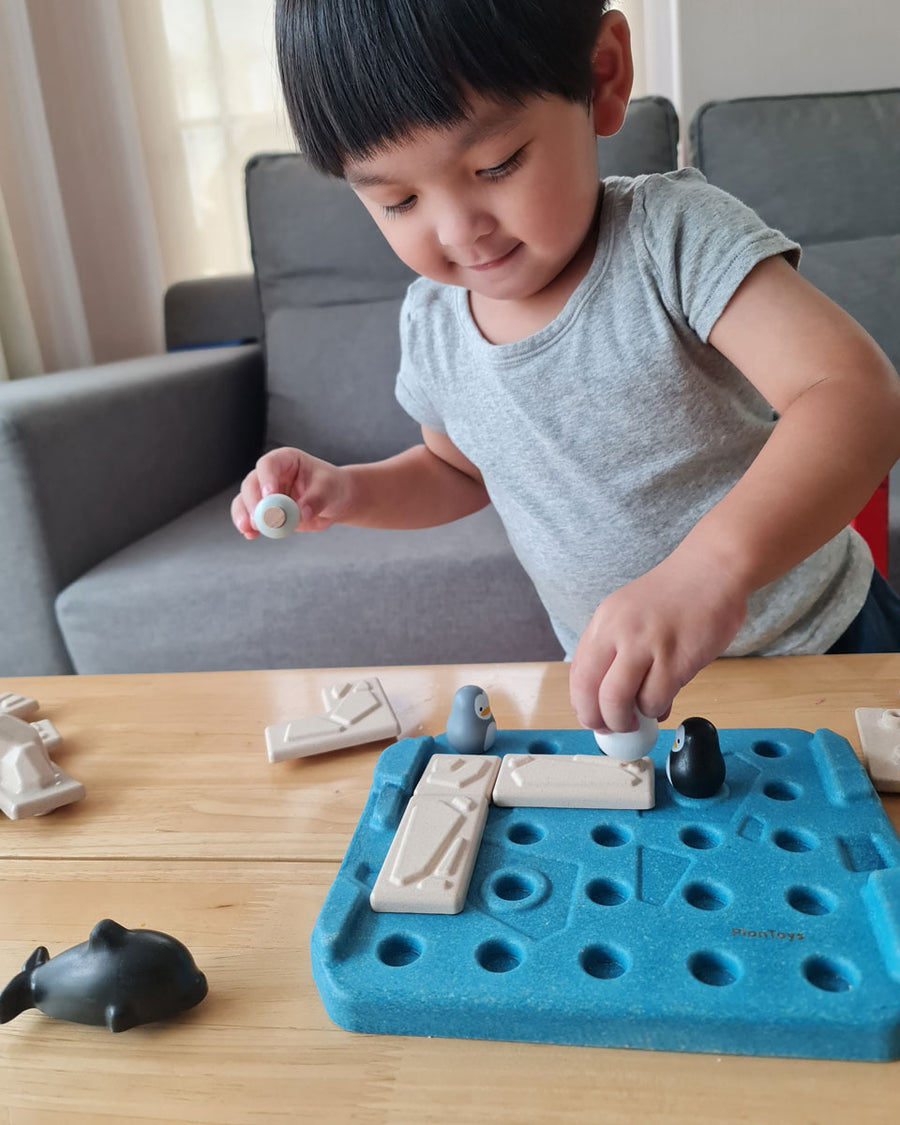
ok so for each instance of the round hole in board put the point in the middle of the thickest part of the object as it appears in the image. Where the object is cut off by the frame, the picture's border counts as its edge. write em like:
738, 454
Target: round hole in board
604, 962
541, 747
830, 974
699, 837
707, 896
794, 840
398, 950
610, 835
607, 892
516, 888
512, 886
498, 956
715, 969
809, 900
523, 832
781, 790
767, 749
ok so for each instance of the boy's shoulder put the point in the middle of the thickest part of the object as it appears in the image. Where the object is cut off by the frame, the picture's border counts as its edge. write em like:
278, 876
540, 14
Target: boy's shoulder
430, 302
676, 215
682, 188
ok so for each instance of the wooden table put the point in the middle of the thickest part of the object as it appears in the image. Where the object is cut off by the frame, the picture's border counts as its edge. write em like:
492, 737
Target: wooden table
187, 829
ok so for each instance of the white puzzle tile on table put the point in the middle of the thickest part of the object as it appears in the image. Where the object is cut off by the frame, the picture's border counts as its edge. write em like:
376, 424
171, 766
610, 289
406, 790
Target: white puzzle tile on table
11, 703
30, 783
879, 736
47, 733
574, 781
429, 865
449, 774
355, 713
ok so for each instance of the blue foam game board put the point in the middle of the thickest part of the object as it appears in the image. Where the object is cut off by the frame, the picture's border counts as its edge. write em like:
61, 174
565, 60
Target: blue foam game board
764, 920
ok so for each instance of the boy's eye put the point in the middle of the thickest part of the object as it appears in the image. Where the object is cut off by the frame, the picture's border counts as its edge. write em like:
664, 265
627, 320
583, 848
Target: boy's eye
399, 208
504, 169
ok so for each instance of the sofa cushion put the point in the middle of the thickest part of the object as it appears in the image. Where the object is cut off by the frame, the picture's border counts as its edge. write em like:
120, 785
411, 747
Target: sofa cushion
342, 598
346, 358
820, 167
330, 289
207, 312
863, 277
647, 141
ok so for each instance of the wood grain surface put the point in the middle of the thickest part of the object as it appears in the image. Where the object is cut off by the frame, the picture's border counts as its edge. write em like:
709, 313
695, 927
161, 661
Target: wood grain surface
188, 829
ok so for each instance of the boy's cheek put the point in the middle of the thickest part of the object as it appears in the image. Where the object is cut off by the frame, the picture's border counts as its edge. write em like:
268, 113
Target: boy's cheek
421, 257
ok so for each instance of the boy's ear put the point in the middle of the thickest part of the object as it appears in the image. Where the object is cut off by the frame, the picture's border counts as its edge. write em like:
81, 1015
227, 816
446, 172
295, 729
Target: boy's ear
613, 69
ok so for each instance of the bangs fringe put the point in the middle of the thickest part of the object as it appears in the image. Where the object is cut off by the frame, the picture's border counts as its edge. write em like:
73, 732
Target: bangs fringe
360, 74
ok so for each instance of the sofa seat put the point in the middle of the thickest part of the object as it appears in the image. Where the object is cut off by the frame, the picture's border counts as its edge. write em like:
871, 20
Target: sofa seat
166, 602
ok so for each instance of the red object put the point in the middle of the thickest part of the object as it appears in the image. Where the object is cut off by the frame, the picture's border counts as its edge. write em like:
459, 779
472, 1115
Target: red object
872, 524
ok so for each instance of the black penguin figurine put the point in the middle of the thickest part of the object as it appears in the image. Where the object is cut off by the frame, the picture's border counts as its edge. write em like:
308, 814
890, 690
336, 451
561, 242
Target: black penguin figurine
471, 728
695, 766
118, 978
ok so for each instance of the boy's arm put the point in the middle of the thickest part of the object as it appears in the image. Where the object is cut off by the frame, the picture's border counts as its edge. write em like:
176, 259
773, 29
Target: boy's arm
430, 484
837, 436
427, 485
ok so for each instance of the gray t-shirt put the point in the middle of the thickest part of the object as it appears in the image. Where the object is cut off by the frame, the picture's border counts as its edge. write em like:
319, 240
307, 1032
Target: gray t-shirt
604, 437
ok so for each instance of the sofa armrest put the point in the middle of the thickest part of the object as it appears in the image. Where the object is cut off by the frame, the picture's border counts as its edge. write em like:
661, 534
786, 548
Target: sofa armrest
92, 460
207, 311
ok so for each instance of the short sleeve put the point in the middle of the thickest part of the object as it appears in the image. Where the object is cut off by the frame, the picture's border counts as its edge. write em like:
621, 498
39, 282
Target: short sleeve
703, 242
412, 388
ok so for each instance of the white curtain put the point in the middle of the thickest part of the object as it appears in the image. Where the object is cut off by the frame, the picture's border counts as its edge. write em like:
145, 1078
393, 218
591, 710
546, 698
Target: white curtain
20, 352
124, 128
207, 97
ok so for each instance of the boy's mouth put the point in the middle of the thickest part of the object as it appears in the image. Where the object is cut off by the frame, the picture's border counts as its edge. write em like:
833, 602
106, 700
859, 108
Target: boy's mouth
493, 263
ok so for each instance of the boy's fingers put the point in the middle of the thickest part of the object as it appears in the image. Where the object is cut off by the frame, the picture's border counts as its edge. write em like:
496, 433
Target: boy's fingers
589, 666
657, 693
250, 496
618, 693
280, 471
241, 518
314, 500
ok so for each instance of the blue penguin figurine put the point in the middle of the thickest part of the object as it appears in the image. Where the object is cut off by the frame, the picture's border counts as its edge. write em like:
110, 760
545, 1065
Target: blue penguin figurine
695, 765
470, 725
118, 978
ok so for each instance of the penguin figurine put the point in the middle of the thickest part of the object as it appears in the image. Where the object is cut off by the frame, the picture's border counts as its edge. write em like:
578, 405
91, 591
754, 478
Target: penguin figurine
695, 766
470, 725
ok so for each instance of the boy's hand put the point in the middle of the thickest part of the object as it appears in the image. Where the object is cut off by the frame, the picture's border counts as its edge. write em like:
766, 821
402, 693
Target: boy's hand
320, 490
650, 638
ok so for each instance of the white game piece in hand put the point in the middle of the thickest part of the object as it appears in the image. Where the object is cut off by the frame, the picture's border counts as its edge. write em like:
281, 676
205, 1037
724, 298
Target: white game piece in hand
631, 745
276, 516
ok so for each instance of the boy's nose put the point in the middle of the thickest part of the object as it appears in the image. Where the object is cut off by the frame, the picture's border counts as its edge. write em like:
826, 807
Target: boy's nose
458, 227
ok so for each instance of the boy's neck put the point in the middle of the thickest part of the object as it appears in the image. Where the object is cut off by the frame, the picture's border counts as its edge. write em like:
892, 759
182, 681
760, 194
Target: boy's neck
505, 322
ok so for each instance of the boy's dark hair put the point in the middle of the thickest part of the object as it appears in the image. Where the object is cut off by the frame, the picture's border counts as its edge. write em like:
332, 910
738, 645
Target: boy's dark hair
358, 74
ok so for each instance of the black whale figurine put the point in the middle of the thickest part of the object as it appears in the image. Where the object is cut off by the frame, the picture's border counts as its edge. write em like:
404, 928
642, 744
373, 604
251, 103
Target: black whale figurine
118, 978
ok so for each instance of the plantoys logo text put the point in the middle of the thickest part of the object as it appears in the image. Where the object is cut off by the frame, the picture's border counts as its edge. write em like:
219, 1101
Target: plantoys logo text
778, 935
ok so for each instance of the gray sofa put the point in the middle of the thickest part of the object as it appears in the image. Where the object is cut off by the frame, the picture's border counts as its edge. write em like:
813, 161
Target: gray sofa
117, 553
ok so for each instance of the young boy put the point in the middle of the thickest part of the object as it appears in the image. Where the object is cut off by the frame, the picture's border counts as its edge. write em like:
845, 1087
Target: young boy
604, 362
